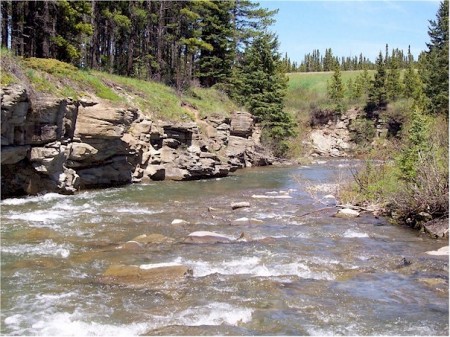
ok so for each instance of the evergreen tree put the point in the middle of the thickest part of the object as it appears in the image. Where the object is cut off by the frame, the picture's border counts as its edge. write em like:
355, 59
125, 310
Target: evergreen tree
435, 73
412, 85
351, 88
335, 89
377, 91
394, 88
362, 85
417, 145
328, 61
261, 87
215, 64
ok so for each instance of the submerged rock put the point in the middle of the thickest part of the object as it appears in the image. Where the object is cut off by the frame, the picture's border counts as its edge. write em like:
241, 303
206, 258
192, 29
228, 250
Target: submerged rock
146, 275
152, 239
132, 246
202, 237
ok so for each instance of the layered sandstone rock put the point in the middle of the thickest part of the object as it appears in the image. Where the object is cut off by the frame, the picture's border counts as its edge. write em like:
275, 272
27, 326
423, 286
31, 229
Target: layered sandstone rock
60, 145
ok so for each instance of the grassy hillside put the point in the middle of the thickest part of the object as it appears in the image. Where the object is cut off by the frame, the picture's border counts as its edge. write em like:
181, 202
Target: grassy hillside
309, 90
154, 99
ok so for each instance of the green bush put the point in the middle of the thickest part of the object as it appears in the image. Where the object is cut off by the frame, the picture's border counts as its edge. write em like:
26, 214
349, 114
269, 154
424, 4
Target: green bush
362, 131
50, 66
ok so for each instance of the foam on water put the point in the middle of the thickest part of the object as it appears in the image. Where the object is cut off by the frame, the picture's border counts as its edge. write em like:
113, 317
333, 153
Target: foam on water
77, 324
215, 313
36, 199
46, 248
38, 216
134, 210
253, 266
354, 234
159, 265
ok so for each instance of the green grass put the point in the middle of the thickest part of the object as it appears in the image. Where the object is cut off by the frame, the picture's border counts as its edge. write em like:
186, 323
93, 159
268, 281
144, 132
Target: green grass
210, 102
152, 98
309, 90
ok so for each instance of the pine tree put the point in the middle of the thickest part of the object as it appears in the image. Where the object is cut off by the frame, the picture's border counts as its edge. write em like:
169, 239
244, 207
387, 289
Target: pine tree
362, 85
413, 86
377, 91
417, 145
335, 89
328, 61
215, 64
394, 87
435, 73
261, 86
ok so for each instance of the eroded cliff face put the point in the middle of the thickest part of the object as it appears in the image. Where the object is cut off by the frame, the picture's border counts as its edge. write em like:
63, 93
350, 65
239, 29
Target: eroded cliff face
61, 145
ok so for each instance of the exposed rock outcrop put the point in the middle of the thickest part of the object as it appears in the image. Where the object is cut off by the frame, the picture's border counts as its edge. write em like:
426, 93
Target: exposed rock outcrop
330, 137
61, 145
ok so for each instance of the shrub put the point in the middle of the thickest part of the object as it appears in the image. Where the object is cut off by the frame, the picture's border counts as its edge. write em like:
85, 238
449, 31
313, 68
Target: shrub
428, 192
397, 116
50, 66
362, 131
322, 116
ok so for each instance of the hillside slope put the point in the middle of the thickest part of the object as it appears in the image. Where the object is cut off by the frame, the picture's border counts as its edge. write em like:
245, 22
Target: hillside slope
155, 100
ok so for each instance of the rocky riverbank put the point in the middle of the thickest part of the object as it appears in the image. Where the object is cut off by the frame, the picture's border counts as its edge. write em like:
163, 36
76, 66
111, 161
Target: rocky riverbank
50, 144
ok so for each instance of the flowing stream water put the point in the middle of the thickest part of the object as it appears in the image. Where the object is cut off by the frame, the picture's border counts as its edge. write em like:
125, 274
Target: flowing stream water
304, 272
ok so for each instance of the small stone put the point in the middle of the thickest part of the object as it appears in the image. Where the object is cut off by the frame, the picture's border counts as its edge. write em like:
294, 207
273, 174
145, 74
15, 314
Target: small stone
179, 222
347, 213
236, 205
244, 238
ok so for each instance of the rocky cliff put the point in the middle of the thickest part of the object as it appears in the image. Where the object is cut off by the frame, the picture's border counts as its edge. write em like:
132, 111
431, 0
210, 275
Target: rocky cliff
62, 145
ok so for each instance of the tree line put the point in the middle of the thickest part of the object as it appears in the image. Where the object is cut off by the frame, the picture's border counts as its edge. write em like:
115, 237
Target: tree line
180, 43
170, 41
316, 62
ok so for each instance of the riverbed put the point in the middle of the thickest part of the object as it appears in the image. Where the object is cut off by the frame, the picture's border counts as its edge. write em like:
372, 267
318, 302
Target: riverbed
301, 270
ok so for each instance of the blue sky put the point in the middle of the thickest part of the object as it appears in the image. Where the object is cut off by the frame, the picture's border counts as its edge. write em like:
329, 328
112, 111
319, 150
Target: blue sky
351, 27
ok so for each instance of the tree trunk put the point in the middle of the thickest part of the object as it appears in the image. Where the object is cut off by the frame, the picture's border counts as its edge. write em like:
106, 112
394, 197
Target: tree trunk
47, 32
93, 63
17, 27
6, 23
159, 40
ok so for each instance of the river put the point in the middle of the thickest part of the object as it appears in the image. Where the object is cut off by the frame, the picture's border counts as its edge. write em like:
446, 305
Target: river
304, 272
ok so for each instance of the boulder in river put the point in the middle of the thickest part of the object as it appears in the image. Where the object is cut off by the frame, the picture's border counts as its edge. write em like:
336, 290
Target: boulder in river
207, 237
347, 213
146, 275
437, 228
440, 251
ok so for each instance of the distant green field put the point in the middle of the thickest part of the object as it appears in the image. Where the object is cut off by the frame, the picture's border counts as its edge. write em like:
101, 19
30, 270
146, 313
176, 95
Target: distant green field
306, 90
